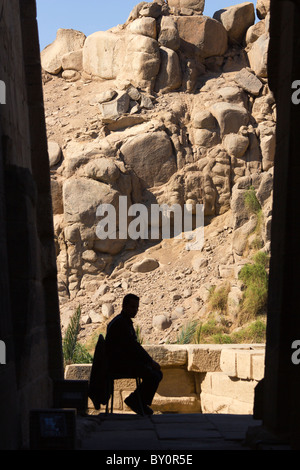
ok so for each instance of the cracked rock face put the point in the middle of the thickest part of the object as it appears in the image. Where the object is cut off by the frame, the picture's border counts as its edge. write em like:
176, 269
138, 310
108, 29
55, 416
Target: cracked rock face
173, 108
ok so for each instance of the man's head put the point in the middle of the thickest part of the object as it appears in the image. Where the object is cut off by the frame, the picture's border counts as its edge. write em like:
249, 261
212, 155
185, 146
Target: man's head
130, 305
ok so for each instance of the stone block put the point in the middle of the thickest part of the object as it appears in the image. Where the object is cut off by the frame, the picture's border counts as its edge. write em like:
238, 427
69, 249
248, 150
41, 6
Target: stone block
248, 81
258, 366
189, 404
224, 405
204, 358
243, 364
219, 384
176, 383
168, 355
250, 364
113, 109
125, 384
228, 362
78, 371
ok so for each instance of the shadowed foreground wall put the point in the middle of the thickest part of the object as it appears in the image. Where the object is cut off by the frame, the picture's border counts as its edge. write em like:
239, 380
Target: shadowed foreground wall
29, 319
281, 411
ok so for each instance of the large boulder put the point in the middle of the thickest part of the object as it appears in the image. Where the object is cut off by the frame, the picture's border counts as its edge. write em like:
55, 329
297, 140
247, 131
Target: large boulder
81, 198
161, 322
54, 153
258, 56
101, 169
168, 35
150, 9
231, 117
248, 81
72, 60
169, 77
236, 20
241, 235
197, 6
255, 31
201, 36
204, 138
134, 14
204, 120
236, 145
145, 265
145, 26
67, 40
267, 134
151, 157
142, 61
133, 57
103, 54
113, 109
263, 8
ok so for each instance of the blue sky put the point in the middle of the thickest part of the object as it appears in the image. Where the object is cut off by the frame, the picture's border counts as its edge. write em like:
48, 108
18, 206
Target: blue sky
89, 16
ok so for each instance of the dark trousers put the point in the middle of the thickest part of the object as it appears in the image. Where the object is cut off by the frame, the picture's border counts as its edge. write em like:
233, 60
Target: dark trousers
150, 379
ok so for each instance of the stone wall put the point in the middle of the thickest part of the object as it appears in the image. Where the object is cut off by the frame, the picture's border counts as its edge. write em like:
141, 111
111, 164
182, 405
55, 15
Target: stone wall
29, 319
197, 378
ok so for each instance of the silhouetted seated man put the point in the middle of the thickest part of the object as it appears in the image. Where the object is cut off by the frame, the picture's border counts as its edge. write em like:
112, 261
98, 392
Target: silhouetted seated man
127, 357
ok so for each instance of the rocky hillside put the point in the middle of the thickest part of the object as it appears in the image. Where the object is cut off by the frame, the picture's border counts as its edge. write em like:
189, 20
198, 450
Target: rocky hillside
172, 107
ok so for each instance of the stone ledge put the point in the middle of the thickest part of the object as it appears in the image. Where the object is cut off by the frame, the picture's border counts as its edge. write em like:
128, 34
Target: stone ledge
169, 355
244, 364
183, 404
197, 378
214, 404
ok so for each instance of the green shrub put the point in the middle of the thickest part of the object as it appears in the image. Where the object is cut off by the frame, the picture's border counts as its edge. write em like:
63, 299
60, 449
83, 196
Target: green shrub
221, 338
187, 332
255, 279
218, 297
253, 207
213, 333
253, 333
73, 351
257, 243
261, 258
210, 328
251, 202
210, 332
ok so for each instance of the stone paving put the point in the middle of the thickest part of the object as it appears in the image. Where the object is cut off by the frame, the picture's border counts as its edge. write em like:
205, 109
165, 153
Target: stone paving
164, 432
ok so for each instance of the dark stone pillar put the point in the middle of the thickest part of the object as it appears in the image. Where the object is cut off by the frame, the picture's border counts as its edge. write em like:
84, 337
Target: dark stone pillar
282, 377
29, 317
8, 391
41, 175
